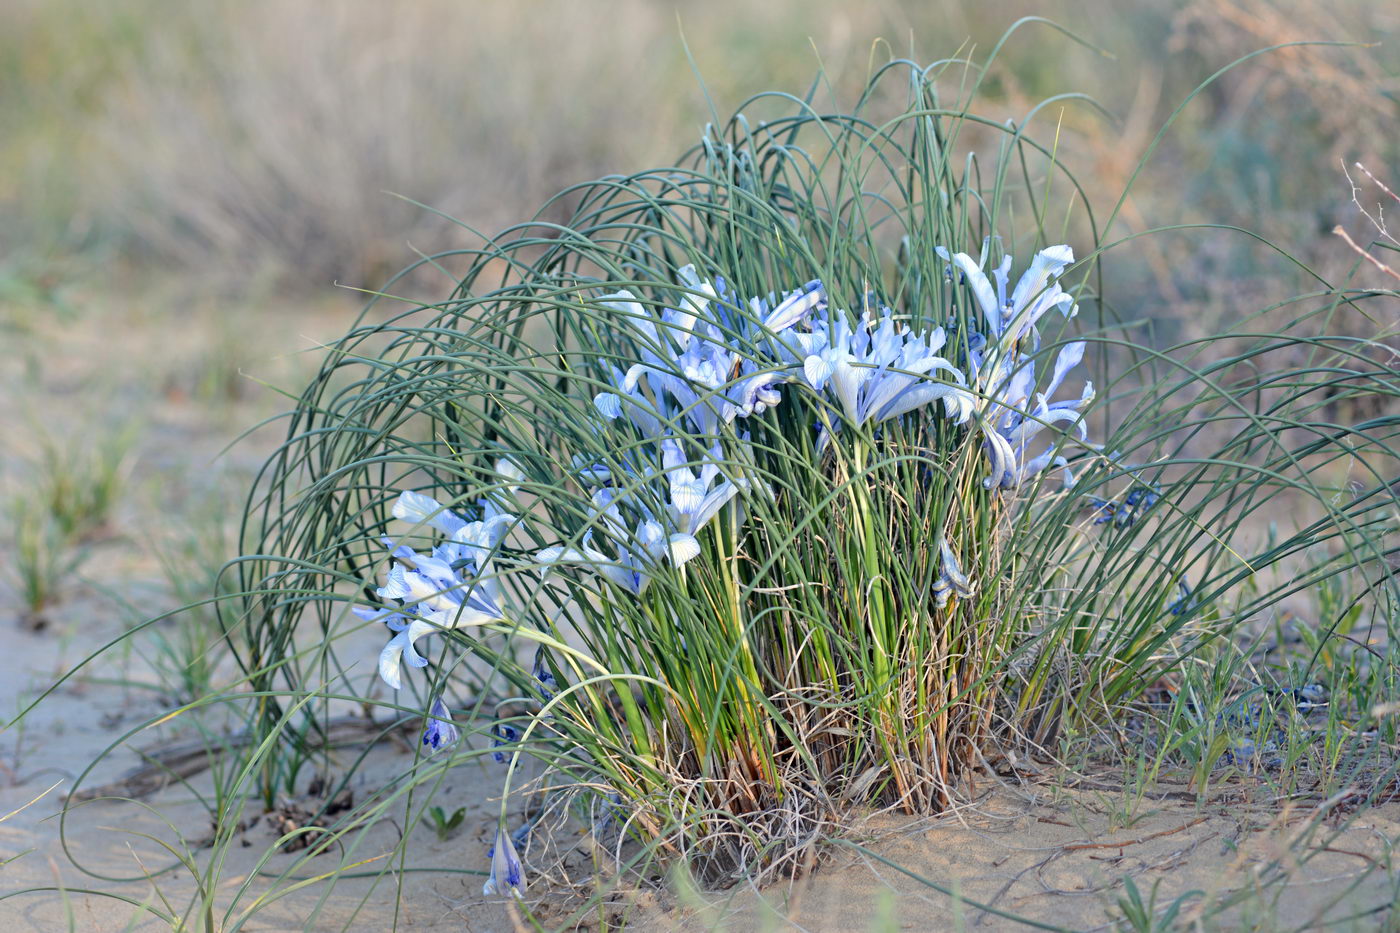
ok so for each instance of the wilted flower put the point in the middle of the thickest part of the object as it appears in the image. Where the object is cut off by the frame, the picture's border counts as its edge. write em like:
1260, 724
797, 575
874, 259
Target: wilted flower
1186, 600
1122, 514
522, 835
507, 873
502, 735
612, 812
951, 579
440, 731
450, 587
543, 676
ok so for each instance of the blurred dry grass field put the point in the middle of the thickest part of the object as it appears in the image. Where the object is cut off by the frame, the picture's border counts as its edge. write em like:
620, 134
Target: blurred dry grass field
238, 140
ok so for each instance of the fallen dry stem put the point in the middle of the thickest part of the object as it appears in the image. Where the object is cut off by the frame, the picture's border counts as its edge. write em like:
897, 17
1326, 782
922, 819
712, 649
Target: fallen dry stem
170, 763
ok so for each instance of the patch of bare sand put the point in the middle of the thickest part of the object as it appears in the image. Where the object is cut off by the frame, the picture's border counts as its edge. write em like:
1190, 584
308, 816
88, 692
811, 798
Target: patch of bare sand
1059, 860
109, 845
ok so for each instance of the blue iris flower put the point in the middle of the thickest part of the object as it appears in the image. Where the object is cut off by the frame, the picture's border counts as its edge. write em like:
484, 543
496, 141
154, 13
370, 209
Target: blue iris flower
453, 586
689, 367
694, 496
878, 370
440, 732
1015, 409
507, 872
636, 553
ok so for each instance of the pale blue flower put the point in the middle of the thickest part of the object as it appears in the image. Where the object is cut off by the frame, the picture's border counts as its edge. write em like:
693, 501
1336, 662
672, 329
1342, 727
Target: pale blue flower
689, 366
879, 371
507, 872
418, 509
1011, 319
440, 731
636, 552
694, 497
452, 587
1014, 409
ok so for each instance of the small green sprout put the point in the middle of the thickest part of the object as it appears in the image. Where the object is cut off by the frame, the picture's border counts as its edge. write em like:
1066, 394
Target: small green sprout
445, 826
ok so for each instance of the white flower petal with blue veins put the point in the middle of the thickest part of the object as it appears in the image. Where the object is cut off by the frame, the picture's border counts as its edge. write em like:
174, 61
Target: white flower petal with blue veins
652, 537
560, 555
396, 586
426, 594
634, 314
878, 371
713, 502
634, 374
847, 379
1047, 265
683, 548
959, 404
438, 590
957, 401
390, 661
419, 509
687, 494
817, 370
402, 647
1070, 356
981, 290
1016, 409
1002, 274
507, 469
796, 306
1002, 458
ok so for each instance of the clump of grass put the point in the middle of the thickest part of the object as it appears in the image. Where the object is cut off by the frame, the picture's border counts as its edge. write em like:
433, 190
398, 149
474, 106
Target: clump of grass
81, 483
872, 613
44, 558
189, 647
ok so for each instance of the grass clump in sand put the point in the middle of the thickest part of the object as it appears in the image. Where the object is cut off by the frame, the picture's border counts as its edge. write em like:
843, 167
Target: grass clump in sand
769, 484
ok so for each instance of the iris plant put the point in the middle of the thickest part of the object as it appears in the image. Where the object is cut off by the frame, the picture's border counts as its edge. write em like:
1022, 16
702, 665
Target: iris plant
451, 587
703, 365
880, 371
1014, 408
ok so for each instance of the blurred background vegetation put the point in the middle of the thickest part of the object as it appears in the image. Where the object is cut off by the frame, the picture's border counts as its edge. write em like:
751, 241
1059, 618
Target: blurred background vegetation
249, 144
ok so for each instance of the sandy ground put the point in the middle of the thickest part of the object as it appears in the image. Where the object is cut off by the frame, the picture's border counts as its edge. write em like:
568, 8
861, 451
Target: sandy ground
1049, 854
